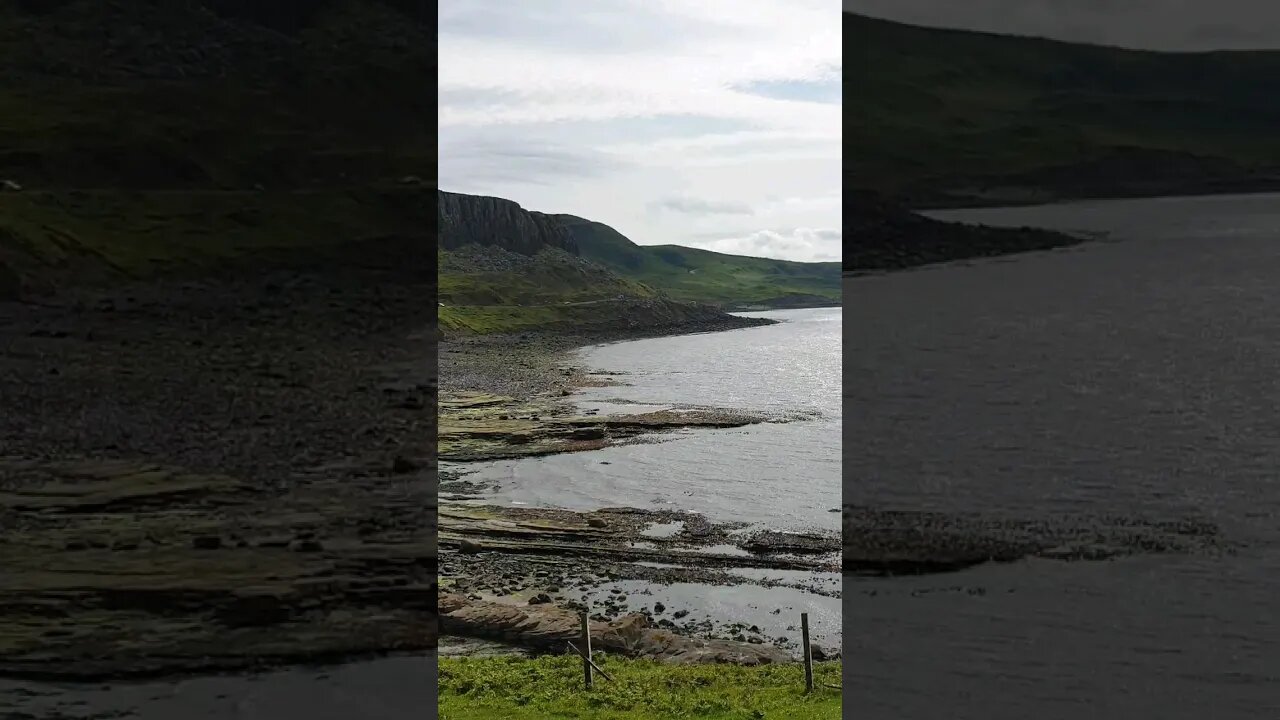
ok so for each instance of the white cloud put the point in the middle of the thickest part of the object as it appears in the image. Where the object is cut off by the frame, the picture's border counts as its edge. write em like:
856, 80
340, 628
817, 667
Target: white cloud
805, 244
541, 102
696, 206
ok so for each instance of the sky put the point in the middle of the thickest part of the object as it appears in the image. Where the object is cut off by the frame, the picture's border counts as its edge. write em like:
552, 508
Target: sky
1174, 25
712, 124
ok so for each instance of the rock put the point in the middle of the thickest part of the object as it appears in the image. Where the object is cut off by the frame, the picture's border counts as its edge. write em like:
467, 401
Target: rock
490, 221
10, 186
402, 466
588, 433
679, 614
206, 542
467, 546
659, 608
308, 546
10, 283
540, 599
597, 522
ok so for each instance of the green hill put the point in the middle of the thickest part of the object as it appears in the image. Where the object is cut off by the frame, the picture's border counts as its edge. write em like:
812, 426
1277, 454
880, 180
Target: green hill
948, 117
139, 138
731, 281
504, 269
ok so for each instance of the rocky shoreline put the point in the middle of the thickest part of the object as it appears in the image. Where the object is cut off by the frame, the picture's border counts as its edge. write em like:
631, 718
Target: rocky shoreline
507, 397
884, 236
217, 475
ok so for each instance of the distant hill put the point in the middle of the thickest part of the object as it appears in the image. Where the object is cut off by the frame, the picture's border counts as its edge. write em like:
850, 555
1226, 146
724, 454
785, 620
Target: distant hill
503, 268
732, 281
952, 117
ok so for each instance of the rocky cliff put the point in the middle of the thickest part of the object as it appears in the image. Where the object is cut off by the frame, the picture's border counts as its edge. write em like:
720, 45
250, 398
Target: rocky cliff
491, 221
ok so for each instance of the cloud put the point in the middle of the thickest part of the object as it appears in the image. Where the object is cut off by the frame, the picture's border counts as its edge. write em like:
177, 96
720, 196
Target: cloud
694, 206
804, 244
472, 164
657, 117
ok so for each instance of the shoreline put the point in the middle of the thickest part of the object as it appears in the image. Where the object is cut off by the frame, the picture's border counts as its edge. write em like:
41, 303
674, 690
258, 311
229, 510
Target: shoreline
1024, 196
886, 222
217, 475
487, 551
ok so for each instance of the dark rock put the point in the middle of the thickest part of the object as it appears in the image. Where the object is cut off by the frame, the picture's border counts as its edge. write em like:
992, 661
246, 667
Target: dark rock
588, 433
403, 465
491, 221
206, 542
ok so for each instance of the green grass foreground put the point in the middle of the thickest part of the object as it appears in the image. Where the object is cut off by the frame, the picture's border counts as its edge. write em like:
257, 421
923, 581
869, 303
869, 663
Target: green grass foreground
552, 687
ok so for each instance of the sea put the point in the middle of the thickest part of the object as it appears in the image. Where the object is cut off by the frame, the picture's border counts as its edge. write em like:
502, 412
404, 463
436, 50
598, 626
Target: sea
1135, 375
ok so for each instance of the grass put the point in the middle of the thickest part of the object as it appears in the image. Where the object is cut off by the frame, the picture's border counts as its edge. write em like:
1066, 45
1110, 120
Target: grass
140, 233
486, 319
546, 290
704, 276
551, 687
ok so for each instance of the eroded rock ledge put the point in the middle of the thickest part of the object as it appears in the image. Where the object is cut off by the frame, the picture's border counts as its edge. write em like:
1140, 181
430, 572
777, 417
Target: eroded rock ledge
549, 627
883, 542
118, 568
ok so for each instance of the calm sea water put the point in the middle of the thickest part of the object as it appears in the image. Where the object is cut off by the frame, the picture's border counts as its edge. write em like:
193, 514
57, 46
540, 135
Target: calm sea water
1137, 376
781, 475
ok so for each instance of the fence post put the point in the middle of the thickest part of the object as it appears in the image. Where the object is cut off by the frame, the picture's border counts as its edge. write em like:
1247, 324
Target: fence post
808, 656
586, 649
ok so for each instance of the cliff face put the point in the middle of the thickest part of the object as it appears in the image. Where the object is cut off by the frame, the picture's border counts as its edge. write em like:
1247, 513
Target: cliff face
491, 221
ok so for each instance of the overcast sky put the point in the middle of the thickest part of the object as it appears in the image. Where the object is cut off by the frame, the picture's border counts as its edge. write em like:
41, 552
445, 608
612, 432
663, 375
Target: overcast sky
1145, 24
714, 123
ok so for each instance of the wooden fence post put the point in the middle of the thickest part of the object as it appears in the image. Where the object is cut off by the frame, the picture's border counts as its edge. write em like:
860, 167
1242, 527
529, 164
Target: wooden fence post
808, 655
586, 649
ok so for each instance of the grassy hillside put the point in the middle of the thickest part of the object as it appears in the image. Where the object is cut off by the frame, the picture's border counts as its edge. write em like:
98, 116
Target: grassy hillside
685, 273
551, 687
139, 137
944, 116
489, 289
